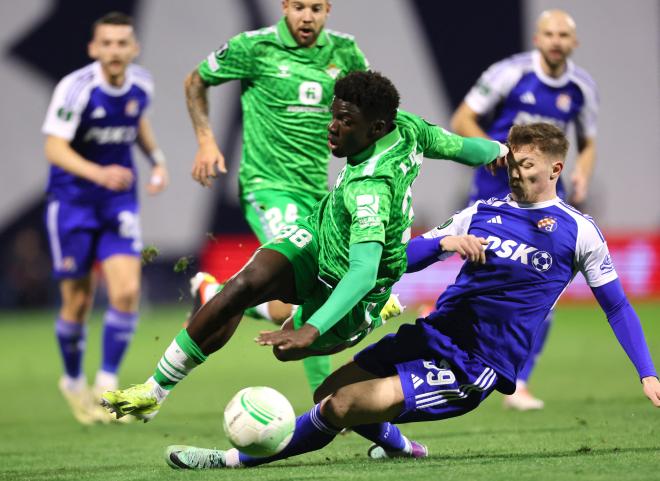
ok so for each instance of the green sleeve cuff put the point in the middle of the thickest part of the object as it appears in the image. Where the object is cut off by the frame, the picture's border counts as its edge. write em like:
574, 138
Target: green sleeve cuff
364, 259
477, 151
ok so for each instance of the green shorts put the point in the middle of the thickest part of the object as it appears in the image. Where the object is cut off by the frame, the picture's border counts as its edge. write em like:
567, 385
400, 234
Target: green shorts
267, 211
298, 243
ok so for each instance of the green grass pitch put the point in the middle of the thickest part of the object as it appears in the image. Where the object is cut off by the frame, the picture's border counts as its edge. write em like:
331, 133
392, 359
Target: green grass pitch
597, 424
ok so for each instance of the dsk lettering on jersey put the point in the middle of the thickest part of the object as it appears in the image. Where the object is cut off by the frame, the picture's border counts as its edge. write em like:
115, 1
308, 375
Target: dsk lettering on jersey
510, 249
111, 135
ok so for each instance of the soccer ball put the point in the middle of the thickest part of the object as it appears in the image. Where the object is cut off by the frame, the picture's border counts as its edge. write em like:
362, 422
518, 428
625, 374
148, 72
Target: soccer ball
542, 261
259, 421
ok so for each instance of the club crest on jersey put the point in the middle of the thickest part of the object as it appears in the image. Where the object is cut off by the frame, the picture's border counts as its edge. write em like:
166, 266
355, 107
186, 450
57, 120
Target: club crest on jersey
132, 108
333, 70
548, 224
564, 102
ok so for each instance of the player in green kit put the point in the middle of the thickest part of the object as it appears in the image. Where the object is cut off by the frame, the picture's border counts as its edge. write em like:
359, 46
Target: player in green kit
339, 263
287, 74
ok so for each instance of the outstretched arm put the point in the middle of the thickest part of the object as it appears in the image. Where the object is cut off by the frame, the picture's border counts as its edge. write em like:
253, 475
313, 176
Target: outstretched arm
364, 258
422, 251
628, 331
208, 154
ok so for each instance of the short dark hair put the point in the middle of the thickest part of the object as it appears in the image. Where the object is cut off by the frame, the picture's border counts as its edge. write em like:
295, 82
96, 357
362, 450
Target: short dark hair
113, 18
546, 137
374, 94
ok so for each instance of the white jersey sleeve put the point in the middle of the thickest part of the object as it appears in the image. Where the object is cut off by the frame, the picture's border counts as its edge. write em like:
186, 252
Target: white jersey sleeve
66, 106
458, 224
586, 121
141, 77
592, 257
496, 83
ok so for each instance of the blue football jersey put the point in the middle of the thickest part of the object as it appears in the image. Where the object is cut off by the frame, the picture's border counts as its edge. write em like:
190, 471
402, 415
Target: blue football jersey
496, 310
101, 123
516, 91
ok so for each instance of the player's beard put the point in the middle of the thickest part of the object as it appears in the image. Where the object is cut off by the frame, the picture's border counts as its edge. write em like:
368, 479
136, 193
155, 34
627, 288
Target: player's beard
556, 62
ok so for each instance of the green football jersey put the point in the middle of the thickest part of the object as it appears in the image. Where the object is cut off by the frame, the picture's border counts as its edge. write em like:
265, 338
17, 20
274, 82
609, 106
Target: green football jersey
286, 92
372, 197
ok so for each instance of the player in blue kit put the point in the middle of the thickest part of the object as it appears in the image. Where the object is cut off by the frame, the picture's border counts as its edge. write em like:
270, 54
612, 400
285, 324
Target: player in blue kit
523, 250
95, 117
538, 86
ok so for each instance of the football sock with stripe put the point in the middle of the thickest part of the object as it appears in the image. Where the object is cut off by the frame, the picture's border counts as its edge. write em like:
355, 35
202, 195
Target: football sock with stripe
181, 357
118, 329
71, 338
386, 435
312, 432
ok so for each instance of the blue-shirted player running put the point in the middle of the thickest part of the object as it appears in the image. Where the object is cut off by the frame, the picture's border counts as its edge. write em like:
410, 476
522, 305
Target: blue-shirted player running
95, 117
524, 251
538, 86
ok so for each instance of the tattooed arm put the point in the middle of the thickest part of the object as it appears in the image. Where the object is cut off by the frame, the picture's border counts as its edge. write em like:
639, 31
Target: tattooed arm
208, 155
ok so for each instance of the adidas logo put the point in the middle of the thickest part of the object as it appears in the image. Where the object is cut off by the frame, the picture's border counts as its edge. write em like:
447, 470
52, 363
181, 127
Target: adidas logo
416, 380
98, 113
528, 98
495, 220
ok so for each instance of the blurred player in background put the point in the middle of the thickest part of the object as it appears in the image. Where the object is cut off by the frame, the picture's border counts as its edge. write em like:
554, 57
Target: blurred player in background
339, 263
481, 331
538, 86
287, 73
95, 117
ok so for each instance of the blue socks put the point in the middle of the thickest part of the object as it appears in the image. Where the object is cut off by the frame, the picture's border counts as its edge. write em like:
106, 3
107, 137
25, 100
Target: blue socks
386, 435
312, 432
118, 329
71, 339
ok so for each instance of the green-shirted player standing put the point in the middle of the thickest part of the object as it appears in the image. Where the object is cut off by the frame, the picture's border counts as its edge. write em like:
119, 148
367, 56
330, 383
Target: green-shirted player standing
287, 73
338, 264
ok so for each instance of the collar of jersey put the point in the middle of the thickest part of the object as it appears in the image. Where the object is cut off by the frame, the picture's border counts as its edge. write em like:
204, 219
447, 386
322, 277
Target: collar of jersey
110, 89
537, 205
289, 41
545, 78
377, 148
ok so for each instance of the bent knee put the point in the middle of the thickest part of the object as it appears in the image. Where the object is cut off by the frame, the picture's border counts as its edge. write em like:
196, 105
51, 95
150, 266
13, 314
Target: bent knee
337, 408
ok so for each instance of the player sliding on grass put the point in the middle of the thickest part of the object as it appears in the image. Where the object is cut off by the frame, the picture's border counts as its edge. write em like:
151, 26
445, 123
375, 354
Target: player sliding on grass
523, 250
339, 263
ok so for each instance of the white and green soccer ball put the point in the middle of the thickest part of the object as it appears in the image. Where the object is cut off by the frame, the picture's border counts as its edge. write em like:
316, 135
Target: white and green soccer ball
259, 421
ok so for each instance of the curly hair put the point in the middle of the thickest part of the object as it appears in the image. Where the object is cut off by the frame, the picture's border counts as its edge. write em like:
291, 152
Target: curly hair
374, 94
548, 138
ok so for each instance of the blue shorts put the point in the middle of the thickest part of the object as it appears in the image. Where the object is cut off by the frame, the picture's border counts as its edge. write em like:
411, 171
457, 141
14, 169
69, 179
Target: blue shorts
439, 379
81, 233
